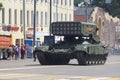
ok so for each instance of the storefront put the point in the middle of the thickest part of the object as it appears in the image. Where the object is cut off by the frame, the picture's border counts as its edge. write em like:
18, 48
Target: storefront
15, 32
39, 35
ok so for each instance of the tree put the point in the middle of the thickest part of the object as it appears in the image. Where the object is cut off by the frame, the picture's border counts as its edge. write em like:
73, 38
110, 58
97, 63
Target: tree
76, 2
113, 8
0, 6
99, 3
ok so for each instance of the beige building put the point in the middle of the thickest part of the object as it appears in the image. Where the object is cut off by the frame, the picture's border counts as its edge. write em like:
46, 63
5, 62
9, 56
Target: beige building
107, 26
11, 17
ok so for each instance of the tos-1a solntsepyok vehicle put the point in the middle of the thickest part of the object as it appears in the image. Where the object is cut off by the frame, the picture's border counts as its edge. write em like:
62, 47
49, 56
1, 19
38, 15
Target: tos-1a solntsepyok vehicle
78, 40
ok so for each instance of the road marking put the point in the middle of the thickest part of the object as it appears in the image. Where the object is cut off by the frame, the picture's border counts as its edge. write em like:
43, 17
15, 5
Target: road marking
114, 79
9, 76
16, 76
7, 69
101, 78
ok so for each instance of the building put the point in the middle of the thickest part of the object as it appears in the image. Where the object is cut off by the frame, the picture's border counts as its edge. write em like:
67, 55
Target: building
105, 22
11, 17
82, 14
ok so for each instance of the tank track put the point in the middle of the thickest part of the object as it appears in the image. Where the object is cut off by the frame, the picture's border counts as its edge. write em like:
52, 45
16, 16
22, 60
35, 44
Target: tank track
46, 58
90, 59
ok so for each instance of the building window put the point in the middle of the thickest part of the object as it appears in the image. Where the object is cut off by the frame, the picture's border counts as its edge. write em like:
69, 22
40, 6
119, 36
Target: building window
65, 2
37, 17
70, 2
61, 2
46, 20
21, 0
54, 17
37, 0
10, 16
15, 16
28, 18
3, 16
45, 1
70, 17
31, 1
28, 0
61, 17
57, 1
41, 1
41, 19
65, 17
15, 0
54, 1
21, 17
32, 15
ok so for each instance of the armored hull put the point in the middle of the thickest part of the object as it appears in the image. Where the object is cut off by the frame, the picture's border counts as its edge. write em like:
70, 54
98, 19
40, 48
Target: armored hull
85, 55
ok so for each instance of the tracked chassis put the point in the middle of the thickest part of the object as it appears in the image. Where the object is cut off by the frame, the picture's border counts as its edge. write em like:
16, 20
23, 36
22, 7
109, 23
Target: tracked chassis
78, 40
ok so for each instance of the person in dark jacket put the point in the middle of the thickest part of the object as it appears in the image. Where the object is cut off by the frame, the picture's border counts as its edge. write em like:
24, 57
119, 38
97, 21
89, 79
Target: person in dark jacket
22, 52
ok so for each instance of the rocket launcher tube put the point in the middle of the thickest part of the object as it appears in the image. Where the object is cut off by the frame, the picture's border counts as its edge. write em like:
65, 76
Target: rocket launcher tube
83, 29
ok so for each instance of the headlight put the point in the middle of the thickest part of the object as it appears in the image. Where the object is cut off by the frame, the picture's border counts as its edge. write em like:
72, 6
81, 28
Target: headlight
85, 47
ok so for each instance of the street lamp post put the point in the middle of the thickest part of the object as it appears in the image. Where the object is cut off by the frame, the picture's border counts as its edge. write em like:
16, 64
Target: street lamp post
50, 16
86, 7
34, 24
85, 4
24, 20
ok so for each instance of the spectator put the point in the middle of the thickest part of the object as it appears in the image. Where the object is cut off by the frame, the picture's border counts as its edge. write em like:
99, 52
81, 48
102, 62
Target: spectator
16, 52
25, 51
11, 52
22, 52
19, 51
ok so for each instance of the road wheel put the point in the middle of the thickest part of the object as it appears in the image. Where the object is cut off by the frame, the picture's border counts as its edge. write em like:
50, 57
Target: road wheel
41, 58
81, 58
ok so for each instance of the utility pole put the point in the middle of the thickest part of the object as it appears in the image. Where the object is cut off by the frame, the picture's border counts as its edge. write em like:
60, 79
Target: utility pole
56, 10
50, 16
86, 9
34, 24
24, 20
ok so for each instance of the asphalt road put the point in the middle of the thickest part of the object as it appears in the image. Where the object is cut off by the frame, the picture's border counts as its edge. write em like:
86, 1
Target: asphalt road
28, 70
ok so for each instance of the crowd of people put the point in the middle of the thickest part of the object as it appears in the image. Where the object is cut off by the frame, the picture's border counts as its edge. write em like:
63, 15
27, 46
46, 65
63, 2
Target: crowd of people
16, 52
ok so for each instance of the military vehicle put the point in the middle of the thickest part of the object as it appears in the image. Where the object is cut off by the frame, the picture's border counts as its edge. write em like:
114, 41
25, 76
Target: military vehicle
72, 40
